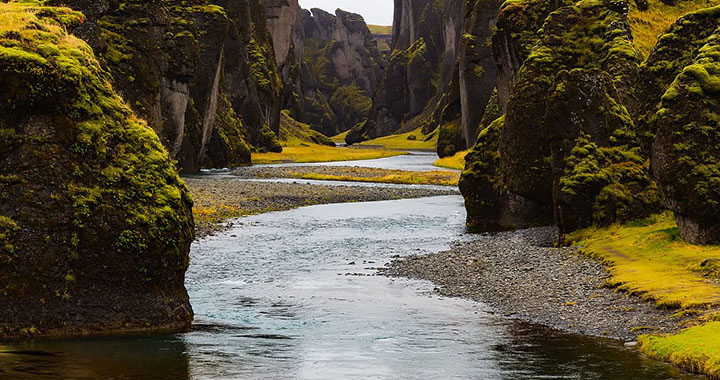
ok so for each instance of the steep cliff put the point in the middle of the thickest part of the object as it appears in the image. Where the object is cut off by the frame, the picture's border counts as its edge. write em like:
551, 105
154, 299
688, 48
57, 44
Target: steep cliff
95, 224
567, 153
426, 39
686, 149
201, 73
341, 69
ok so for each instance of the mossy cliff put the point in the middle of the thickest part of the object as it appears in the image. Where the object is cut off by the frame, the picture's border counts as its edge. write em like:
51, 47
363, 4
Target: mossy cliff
202, 73
686, 149
95, 224
581, 113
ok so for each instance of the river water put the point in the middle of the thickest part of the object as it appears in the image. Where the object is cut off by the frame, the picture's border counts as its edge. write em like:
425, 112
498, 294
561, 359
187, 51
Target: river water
293, 295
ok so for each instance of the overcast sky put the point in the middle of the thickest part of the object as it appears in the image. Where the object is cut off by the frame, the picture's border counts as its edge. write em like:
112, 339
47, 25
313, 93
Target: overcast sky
377, 12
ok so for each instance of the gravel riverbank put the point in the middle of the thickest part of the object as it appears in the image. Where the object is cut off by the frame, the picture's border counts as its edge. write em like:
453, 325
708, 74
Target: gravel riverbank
218, 199
521, 276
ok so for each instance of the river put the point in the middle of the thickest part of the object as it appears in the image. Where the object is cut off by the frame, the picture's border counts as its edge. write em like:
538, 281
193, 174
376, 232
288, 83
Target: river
294, 295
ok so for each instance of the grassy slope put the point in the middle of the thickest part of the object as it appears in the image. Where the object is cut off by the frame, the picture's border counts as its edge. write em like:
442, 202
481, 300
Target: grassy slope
648, 258
298, 146
648, 25
381, 30
456, 162
405, 141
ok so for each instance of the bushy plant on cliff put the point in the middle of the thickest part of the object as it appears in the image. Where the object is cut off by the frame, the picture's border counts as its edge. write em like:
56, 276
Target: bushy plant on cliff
99, 221
686, 152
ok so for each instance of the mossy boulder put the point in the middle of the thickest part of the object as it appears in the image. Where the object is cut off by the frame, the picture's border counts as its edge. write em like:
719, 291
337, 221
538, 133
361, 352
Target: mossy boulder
599, 174
516, 32
686, 151
95, 224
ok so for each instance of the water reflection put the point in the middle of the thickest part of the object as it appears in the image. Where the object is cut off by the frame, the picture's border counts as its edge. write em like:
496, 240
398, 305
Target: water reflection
153, 358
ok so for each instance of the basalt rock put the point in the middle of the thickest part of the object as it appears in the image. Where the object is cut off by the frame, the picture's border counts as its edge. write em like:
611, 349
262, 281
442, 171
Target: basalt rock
95, 224
516, 32
341, 69
686, 151
599, 174
176, 61
425, 46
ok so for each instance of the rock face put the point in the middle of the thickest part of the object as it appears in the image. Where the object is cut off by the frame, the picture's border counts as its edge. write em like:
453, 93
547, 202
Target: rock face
686, 150
426, 39
95, 224
201, 73
285, 24
341, 72
566, 152
329, 64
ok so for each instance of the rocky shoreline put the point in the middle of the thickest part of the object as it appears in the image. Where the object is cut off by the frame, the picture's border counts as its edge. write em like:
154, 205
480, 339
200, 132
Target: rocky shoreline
521, 276
219, 198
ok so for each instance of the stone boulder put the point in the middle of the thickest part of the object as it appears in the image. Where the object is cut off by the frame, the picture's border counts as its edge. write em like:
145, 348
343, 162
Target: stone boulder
95, 224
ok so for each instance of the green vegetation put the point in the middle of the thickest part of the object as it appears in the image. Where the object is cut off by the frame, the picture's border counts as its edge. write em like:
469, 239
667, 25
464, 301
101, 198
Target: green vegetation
441, 178
649, 259
456, 162
414, 140
381, 30
696, 349
647, 25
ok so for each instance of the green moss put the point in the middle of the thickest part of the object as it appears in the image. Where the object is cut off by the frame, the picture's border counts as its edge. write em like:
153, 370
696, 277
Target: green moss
696, 349
116, 180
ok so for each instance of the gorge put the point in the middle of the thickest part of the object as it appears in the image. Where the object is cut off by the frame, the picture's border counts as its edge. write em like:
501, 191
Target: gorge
139, 139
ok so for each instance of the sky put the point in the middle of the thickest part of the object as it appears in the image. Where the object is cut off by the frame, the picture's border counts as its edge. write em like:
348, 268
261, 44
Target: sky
375, 12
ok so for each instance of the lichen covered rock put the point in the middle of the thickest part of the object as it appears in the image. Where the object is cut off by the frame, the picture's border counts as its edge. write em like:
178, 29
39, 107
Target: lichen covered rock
95, 224
686, 151
480, 182
675, 49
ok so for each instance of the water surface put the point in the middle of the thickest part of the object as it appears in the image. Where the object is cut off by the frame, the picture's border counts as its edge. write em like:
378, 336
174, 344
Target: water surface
293, 295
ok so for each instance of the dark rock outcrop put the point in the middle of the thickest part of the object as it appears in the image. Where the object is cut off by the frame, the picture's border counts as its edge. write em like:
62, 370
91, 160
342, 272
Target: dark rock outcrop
686, 150
599, 174
176, 62
95, 224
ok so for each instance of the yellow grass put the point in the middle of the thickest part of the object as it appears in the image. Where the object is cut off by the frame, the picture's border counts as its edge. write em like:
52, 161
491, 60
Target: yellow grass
380, 29
308, 153
696, 349
339, 139
441, 178
414, 140
647, 25
650, 259
456, 162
